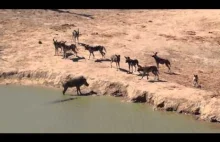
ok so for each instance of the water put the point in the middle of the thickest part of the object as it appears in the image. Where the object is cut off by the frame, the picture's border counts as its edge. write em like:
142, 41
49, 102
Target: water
39, 110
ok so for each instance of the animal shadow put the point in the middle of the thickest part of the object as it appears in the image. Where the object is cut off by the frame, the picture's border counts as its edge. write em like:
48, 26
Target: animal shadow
87, 94
152, 81
63, 100
124, 70
141, 74
171, 73
77, 58
68, 54
102, 60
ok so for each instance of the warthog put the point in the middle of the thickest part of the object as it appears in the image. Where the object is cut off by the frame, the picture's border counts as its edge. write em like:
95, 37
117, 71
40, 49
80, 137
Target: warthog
75, 82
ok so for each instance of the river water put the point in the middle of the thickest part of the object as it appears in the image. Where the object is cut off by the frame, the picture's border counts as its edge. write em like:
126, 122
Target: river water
25, 109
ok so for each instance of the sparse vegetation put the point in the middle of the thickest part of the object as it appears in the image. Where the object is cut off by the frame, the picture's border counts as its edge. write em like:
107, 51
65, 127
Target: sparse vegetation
197, 43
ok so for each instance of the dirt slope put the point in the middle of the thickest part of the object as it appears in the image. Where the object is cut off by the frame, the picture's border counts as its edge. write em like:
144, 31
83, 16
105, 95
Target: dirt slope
188, 38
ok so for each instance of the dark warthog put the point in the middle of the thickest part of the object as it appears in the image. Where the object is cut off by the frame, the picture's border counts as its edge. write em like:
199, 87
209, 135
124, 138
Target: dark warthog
75, 82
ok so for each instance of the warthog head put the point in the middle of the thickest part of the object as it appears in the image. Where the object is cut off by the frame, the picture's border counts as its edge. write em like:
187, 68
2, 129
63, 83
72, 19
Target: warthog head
85, 82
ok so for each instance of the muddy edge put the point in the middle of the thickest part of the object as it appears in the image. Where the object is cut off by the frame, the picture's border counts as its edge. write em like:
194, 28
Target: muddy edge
203, 108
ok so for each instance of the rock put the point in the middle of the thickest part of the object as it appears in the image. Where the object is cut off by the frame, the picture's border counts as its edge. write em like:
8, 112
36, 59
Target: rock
117, 93
213, 119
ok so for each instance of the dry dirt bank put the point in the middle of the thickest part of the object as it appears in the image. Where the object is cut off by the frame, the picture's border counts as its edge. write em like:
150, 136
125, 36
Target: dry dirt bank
188, 38
169, 97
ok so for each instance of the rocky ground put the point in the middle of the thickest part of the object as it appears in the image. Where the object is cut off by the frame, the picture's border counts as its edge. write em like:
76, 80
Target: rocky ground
188, 38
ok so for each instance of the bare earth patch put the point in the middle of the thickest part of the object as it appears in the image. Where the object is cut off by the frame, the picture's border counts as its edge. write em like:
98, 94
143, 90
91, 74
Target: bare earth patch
190, 39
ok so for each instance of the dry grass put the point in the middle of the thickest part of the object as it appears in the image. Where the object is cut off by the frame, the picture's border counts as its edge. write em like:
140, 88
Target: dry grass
188, 38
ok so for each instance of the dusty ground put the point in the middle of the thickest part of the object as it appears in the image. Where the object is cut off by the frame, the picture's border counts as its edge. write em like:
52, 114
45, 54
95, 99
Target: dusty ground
190, 39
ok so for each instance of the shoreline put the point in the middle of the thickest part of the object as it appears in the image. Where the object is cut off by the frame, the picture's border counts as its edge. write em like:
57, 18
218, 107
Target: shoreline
126, 91
192, 46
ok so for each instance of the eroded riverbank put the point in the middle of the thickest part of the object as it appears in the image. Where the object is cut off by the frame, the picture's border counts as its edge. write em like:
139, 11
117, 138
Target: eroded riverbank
203, 107
44, 110
192, 46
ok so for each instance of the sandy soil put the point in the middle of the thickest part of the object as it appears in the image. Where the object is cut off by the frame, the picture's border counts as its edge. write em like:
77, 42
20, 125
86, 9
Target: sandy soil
190, 39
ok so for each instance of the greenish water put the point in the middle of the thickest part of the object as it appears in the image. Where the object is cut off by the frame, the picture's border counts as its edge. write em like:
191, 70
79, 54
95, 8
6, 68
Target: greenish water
39, 110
